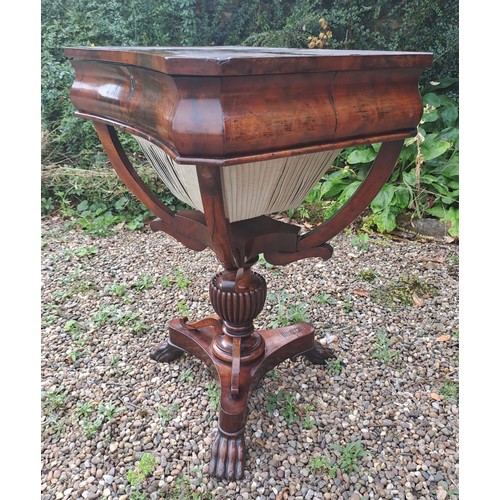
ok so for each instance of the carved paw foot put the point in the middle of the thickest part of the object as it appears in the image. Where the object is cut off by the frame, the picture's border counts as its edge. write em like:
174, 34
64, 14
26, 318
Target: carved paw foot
165, 353
319, 354
228, 457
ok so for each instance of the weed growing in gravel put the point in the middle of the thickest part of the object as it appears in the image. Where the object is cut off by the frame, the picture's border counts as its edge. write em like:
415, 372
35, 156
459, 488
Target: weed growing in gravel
187, 375
361, 241
183, 308
350, 454
144, 282
334, 366
284, 404
322, 463
324, 298
285, 312
183, 491
213, 391
90, 428
444, 486
347, 303
72, 326
117, 289
382, 349
181, 279
166, 282
449, 390
143, 469
368, 275
103, 315
84, 251
108, 411
401, 291
84, 409
166, 414
54, 399
308, 420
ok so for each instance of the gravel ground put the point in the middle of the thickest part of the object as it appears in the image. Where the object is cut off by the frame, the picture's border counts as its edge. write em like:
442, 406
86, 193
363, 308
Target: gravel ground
388, 308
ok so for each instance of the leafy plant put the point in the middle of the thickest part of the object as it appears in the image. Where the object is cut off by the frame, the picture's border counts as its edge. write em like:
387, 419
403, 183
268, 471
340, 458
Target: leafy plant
213, 390
187, 375
350, 454
334, 366
449, 390
117, 289
54, 399
323, 463
285, 404
286, 312
108, 411
143, 469
166, 414
382, 349
183, 308
144, 282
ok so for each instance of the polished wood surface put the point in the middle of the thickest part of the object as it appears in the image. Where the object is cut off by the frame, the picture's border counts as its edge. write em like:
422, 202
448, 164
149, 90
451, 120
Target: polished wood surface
214, 107
224, 105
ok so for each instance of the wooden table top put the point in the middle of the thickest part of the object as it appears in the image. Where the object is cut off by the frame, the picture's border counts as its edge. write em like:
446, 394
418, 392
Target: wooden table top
241, 60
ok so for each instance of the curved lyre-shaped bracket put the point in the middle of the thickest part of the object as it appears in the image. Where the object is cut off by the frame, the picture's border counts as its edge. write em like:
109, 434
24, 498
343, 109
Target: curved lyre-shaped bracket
185, 226
313, 243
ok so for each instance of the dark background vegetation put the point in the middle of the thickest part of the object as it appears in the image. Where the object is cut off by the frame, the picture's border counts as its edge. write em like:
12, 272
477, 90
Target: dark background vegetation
74, 169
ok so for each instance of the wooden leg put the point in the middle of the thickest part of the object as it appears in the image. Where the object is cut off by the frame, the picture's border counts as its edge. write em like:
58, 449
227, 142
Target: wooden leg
228, 449
319, 354
166, 352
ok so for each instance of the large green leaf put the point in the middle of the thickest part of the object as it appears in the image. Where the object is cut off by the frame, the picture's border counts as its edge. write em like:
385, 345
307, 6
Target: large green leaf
447, 214
432, 147
386, 219
383, 198
364, 155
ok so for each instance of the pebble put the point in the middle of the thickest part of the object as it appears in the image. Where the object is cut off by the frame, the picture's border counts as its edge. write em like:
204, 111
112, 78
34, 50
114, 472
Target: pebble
165, 408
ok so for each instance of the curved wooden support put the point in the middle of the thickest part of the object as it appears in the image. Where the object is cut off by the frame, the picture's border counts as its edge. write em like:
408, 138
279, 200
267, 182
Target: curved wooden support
188, 227
127, 173
377, 176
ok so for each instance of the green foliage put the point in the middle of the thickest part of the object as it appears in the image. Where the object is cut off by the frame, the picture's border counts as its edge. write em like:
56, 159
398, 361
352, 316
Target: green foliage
424, 182
143, 469
166, 414
334, 366
321, 463
350, 454
92, 198
285, 404
382, 349
213, 391
285, 311
450, 390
